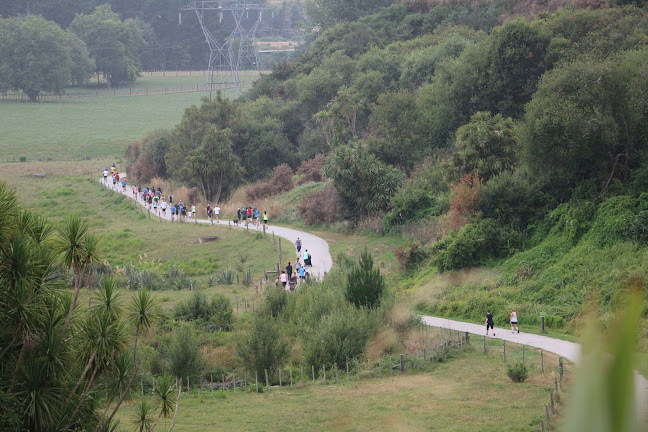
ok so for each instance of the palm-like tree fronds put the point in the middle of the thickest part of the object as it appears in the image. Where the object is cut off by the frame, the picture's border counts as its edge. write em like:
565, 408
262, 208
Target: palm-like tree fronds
143, 418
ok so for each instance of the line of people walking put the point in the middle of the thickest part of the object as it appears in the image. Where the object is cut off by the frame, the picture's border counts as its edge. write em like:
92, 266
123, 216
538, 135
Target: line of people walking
290, 277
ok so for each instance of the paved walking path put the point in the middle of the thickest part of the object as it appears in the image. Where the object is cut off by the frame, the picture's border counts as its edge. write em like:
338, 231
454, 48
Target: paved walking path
322, 263
318, 247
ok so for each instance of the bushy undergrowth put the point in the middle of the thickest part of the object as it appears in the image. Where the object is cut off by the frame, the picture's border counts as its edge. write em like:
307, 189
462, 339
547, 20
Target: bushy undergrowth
217, 311
280, 181
475, 244
582, 252
320, 207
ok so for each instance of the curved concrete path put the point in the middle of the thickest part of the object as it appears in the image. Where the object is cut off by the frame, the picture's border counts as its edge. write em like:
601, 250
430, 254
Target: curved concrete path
322, 264
318, 247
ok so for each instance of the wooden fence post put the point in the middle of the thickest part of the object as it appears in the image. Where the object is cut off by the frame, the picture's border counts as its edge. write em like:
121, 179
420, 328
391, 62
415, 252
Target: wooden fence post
358, 369
280, 378
291, 379
302, 376
267, 380
551, 396
402, 363
313, 372
547, 412
391, 366
324, 373
347, 370
222, 382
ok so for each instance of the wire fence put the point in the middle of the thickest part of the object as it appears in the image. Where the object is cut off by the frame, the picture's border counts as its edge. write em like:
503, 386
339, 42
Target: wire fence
303, 375
246, 78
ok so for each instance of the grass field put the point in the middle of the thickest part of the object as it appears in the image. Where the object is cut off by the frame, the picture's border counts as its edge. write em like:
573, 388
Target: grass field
127, 236
73, 129
470, 392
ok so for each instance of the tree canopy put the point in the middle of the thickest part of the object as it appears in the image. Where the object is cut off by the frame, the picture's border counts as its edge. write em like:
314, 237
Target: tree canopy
36, 55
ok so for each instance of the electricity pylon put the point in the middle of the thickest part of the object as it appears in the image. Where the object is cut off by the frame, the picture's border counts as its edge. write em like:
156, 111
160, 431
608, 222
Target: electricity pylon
239, 50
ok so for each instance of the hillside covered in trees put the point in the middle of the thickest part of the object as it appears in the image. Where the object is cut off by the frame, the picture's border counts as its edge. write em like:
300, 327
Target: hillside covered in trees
477, 134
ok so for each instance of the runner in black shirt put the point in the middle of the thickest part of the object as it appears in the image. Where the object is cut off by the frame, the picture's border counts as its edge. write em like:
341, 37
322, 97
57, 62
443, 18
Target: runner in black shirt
489, 322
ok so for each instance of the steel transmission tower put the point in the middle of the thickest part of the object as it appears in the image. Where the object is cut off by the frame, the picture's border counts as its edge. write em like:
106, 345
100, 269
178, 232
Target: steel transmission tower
237, 51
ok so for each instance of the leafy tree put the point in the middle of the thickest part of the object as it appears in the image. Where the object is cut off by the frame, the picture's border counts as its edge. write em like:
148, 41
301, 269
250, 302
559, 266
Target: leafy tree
214, 166
112, 43
588, 121
37, 55
364, 183
516, 62
420, 65
263, 347
487, 144
327, 13
393, 121
365, 285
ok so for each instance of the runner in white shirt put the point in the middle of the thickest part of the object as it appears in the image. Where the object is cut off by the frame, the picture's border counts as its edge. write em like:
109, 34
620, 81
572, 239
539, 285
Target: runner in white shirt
514, 322
163, 207
105, 173
217, 212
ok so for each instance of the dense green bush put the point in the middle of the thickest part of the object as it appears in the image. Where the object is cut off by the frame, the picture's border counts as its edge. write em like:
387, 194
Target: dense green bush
475, 244
263, 347
513, 199
365, 285
517, 372
275, 300
339, 337
183, 353
218, 311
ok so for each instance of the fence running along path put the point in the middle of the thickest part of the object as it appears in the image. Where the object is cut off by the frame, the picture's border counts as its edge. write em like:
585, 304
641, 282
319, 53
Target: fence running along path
322, 264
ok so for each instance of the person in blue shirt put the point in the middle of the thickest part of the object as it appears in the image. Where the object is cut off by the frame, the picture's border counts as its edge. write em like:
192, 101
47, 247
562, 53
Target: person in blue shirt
302, 273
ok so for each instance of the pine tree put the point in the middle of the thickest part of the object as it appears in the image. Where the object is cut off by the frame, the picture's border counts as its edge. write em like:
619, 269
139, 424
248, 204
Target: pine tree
365, 284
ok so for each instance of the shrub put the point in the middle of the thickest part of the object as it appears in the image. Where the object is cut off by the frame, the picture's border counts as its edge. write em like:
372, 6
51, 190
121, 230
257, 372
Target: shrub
320, 207
280, 181
639, 228
184, 352
275, 301
263, 347
474, 244
365, 285
411, 202
517, 372
218, 311
512, 199
339, 337
412, 256
311, 170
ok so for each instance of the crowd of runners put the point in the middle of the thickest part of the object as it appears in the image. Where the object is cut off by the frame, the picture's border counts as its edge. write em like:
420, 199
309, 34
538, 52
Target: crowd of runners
292, 276
154, 200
